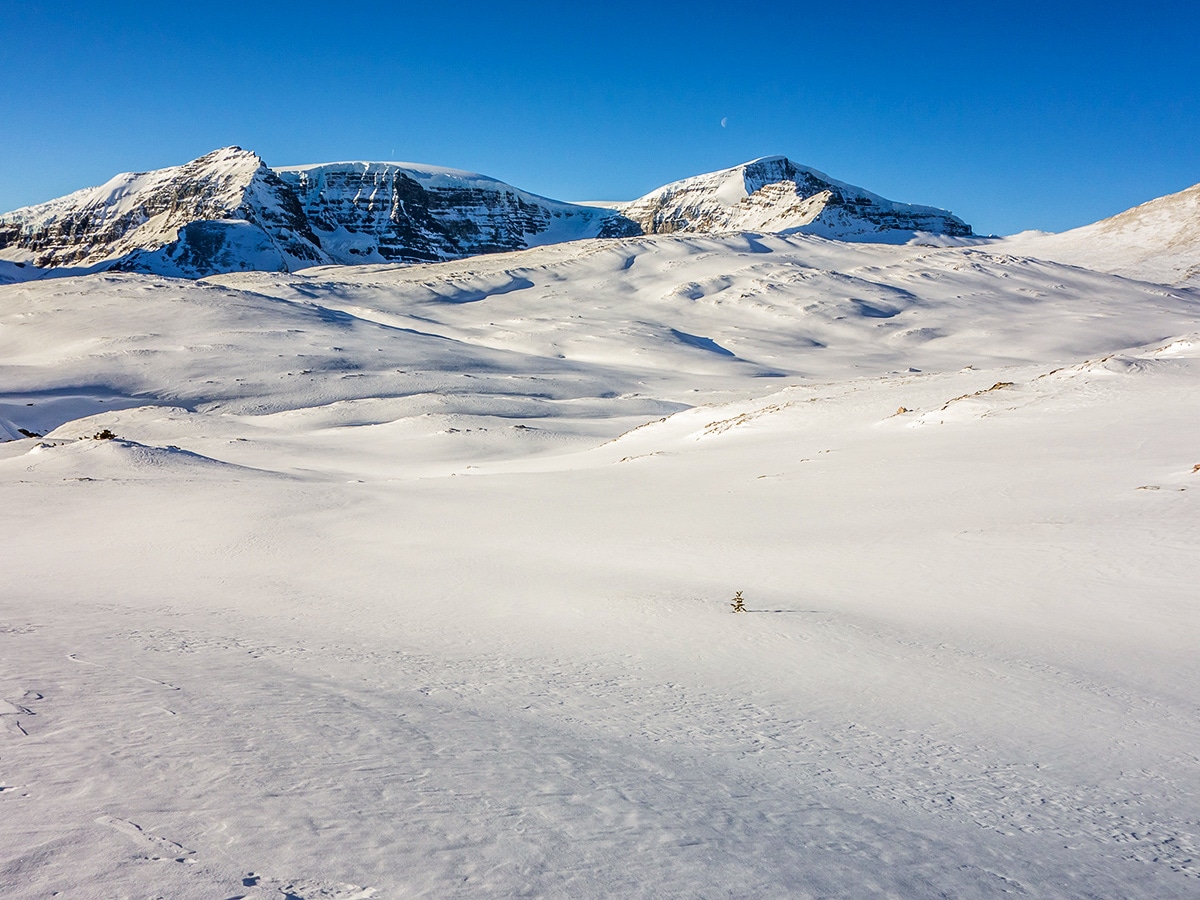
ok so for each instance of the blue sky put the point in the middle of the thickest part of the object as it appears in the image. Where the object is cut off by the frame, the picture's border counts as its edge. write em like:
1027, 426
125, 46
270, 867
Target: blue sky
1013, 115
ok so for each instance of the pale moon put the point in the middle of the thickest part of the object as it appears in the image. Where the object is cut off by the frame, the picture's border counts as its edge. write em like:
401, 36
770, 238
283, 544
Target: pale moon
724, 121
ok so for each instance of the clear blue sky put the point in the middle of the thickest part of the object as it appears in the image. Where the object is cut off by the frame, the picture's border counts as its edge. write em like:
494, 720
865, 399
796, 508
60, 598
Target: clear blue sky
1014, 115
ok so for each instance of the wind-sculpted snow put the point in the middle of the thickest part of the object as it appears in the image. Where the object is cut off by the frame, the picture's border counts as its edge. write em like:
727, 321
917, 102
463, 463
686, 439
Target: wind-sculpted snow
633, 326
780, 306
391, 581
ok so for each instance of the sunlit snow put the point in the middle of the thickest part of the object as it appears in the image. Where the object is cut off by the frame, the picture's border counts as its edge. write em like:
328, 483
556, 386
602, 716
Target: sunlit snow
415, 581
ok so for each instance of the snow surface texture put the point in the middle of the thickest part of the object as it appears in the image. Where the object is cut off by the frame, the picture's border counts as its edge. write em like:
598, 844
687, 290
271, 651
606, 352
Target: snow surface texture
415, 581
229, 212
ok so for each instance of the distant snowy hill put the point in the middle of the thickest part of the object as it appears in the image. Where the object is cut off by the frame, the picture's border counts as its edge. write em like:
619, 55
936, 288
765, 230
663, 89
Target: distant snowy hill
11, 272
1156, 241
228, 212
773, 194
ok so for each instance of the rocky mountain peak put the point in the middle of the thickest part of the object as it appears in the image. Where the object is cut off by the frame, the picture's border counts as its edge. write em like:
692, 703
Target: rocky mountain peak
774, 194
408, 212
218, 211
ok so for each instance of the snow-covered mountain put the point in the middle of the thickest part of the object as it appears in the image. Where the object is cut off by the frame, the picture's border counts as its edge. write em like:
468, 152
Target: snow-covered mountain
228, 211
773, 194
1156, 241
222, 212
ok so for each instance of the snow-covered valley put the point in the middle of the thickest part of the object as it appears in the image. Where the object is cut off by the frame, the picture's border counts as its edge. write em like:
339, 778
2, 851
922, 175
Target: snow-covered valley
415, 580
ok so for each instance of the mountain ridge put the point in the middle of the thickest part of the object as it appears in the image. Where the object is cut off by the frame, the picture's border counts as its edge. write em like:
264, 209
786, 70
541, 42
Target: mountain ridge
229, 211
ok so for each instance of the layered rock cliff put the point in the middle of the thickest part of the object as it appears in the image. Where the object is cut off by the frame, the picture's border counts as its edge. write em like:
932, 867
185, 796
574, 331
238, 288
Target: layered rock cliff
404, 212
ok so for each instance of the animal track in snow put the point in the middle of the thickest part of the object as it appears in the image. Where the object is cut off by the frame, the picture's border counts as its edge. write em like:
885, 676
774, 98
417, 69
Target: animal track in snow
266, 888
157, 848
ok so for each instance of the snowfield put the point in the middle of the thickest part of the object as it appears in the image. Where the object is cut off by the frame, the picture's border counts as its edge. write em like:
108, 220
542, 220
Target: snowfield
415, 581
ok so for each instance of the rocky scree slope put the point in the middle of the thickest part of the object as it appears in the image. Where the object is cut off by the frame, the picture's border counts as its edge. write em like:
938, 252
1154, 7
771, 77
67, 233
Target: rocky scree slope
228, 211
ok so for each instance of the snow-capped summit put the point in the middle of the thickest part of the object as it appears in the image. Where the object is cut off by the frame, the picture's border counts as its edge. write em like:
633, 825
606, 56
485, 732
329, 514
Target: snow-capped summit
773, 194
222, 212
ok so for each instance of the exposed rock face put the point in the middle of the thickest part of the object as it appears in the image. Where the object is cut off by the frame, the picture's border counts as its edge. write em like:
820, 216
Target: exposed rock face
773, 194
227, 211
392, 212
222, 212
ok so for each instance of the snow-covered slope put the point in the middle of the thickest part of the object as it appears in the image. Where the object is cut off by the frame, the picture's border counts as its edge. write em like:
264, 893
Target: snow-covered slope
11, 272
1157, 241
631, 326
773, 194
414, 581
